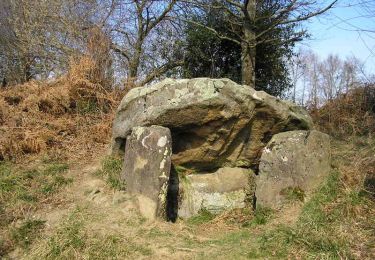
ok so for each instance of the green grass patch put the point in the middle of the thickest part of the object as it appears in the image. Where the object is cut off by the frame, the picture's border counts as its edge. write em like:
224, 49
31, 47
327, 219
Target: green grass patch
315, 234
21, 190
68, 239
111, 170
27, 232
261, 216
55, 168
203, 216
293, 194
87, 107
240, 244
309, 243
181, 169
234, 238
313, 211
17, 185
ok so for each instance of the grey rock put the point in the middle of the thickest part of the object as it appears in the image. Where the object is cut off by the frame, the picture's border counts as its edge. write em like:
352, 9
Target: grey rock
225, 189
294, 161
147, 166
213, 122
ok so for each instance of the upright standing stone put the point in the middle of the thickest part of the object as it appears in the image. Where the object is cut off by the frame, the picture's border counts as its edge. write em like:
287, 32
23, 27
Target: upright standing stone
147, 166
292, 163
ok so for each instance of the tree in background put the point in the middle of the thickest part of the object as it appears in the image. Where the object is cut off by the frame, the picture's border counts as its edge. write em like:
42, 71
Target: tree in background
321, 81
211, 56
146, 43
38, 37
258, 25
206, 55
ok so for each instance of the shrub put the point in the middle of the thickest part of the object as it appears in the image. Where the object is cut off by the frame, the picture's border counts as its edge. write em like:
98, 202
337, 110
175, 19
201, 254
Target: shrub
350, 114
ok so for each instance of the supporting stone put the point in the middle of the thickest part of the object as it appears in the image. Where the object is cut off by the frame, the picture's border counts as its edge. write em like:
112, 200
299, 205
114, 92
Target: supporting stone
292, 165
227, 188
147, 168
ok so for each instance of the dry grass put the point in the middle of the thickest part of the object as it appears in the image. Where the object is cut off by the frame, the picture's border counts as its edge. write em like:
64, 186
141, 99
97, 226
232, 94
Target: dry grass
24, 190
67, 117
352, 114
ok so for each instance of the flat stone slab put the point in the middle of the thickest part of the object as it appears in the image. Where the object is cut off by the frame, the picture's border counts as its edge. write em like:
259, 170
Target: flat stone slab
147, 167
227, 188
214, 122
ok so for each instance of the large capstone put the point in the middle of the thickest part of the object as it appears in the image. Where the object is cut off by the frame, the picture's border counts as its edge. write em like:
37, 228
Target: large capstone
214, 122
147, 168
292, 166
225, 189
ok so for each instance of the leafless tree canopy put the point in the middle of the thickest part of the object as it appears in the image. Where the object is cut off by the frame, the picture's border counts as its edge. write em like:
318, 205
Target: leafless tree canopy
318, 81
38, 37
138, 41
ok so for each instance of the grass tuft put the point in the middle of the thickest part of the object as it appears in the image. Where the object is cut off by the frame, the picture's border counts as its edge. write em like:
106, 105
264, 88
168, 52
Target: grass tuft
23, 190
261, 216
111, 171
293, 194
27, 232
204, 216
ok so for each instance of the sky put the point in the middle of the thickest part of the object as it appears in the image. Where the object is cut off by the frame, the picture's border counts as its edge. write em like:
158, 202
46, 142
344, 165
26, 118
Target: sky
337, 32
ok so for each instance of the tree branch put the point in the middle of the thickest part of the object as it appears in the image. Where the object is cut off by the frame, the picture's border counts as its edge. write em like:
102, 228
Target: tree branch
223, 37
157, 72
310, 15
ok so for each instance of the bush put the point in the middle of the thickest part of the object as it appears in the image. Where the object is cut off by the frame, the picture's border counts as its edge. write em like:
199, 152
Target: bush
350, 114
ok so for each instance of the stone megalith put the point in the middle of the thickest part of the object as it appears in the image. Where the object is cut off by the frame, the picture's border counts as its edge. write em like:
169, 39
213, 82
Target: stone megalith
214, 122
146, 170
225, 189
292, 162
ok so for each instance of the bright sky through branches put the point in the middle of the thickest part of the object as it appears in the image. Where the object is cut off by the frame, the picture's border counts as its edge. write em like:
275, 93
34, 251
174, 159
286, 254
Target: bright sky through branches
346, 30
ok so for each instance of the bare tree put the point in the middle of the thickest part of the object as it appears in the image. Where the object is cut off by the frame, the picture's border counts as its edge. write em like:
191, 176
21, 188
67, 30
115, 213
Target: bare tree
330, 71
144, 39
39, 36
313, 80
297, 68
325, 80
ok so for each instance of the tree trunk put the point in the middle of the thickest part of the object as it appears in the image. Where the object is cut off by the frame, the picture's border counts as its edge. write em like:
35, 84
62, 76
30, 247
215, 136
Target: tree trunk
135, 60
26, 71
248, 46
248, 64
133, 71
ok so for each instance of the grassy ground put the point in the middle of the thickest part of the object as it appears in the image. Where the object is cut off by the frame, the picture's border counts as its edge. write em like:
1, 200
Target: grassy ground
24, 190
55, 211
